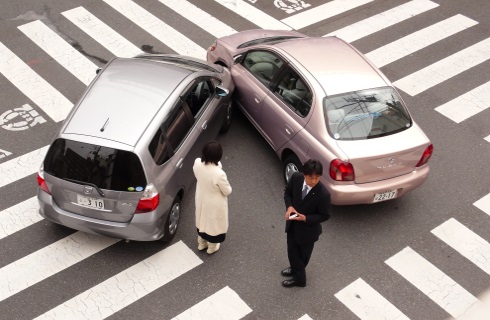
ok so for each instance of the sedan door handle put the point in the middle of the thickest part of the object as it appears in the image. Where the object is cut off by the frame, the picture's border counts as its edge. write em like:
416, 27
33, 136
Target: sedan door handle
204, 125
179, 164
257, 99
289, 130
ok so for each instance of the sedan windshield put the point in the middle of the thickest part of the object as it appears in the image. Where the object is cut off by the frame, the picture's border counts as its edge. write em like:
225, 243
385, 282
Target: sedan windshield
365, 114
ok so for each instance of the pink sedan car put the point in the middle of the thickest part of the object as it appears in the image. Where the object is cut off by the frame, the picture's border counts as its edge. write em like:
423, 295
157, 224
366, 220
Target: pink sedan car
318, 97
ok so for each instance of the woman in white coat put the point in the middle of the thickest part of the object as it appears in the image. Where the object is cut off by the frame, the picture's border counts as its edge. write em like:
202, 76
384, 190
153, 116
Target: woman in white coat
212, 191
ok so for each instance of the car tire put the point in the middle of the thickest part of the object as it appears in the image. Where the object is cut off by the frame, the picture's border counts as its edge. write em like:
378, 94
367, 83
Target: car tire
172, 222
228, 116
291, 165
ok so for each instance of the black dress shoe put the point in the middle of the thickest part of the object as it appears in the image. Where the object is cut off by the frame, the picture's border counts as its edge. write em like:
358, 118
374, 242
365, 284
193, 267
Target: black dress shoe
292, 283
288, 272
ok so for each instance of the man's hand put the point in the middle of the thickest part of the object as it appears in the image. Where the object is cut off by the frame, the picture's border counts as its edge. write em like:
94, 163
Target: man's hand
289, 212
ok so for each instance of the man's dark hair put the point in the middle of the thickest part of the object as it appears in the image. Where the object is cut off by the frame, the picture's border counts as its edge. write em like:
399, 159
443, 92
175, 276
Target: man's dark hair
211, 152
313, 167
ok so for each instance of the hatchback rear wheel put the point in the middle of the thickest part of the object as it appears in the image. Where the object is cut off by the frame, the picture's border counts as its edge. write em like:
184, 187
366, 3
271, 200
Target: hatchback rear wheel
172, 222
290, 166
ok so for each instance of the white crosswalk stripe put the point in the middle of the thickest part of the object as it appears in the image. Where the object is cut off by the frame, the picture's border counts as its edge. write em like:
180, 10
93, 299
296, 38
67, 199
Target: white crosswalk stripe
22, 166
19, 217
483, 204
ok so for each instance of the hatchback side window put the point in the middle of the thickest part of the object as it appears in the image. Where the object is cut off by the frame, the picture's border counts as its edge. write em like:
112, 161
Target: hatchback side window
263, 65
292, 89
199, 96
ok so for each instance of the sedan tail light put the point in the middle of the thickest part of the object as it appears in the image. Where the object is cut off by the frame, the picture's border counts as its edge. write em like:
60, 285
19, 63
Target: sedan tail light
40, 180
341, 170
426, 156
149, 201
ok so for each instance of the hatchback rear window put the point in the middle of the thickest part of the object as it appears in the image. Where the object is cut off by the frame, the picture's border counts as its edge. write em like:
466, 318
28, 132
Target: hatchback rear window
365, 114
107, 168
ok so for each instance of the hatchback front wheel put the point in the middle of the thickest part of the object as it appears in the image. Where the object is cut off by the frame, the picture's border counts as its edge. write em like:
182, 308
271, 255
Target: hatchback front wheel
172, 222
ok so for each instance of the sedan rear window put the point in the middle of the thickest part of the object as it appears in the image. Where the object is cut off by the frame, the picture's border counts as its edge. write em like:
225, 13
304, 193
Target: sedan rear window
107, 168
365, 114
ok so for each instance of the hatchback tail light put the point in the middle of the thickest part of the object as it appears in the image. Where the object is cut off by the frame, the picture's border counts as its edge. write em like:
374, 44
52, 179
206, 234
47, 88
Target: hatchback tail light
149, 201
213, 46
426, 156
341, 170
40, 180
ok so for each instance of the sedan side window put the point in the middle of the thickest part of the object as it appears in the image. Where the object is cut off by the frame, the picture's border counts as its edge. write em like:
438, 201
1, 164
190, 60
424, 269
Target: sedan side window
294, 92
263, 65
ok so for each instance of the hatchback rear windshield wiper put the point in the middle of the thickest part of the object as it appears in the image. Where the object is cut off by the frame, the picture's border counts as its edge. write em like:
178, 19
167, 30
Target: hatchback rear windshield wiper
86, 183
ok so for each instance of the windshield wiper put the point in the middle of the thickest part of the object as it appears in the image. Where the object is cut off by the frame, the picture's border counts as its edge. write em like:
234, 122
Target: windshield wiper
86, 183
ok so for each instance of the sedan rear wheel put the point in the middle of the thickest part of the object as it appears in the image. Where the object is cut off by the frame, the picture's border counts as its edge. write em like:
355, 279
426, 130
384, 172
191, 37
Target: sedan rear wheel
172, 222
291, 165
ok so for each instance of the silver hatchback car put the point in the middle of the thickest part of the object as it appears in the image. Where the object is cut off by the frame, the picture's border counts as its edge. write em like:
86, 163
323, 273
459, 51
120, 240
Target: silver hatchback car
122, 160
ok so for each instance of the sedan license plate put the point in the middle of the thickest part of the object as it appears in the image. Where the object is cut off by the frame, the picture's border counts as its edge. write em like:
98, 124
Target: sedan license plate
382, 196
90, 202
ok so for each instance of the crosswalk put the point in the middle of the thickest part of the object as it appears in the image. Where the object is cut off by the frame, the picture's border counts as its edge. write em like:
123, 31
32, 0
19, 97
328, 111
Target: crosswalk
153, 273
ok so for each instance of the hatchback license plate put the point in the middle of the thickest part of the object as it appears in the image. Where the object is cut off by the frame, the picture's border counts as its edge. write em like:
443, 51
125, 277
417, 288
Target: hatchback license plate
385, 195
90, 202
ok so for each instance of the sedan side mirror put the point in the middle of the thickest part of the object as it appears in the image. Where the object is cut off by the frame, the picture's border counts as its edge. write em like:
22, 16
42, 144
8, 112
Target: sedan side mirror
221, 91
98, 70
237, 59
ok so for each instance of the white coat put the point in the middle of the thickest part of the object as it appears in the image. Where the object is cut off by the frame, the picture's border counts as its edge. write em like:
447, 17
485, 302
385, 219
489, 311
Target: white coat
212, 191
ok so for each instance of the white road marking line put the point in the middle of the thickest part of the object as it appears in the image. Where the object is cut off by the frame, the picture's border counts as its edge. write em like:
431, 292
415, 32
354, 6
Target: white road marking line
305, 317
4, 153
130, 285
50, 100
445, 69
22, 166
322, 12
487, 138
383, 20
254, 15
157, 28
367, 303
466, 242
443, 290
419, 40
467, 105
60, 50
102, 33
49, 260
483, 204
19, 216
225, 304
199, 17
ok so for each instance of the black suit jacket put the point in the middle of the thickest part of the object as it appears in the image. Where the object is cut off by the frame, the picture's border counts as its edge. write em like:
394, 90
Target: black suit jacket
315, 206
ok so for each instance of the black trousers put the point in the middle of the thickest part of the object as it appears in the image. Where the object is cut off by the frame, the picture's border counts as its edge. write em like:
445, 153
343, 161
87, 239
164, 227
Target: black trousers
299, 255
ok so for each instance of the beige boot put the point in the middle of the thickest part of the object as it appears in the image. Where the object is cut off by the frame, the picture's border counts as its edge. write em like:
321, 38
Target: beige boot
212, 247
201, 243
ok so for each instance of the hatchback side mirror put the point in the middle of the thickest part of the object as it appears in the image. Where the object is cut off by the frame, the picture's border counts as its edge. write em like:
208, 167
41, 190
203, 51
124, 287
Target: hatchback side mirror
98, 70
221, 91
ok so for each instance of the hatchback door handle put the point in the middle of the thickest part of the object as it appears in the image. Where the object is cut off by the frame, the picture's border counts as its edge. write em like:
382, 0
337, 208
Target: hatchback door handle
179, 164
204, 125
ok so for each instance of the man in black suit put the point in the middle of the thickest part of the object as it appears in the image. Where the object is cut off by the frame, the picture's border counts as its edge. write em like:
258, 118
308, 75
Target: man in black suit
308, 205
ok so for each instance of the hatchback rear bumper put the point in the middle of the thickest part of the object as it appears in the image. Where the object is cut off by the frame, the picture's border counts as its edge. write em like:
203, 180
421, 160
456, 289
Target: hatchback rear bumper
142, 227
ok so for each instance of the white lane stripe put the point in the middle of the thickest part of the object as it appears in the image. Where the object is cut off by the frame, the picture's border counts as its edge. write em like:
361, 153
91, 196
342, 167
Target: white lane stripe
22, 166
253, 14
419, 40
224, 304
383, 20
19, 216
199, 17
60, 50
483, 204
367, 303
443, 290
467, 105
119, 291
157, 28
102, 33
445, 69
322, 12
466, 242
49, 260
51, 101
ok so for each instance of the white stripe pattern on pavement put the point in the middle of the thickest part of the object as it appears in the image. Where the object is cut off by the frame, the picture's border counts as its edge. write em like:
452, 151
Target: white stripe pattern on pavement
60, 50
157, 28
225, 304
199, 17
19, 216
487, 138
367, 303
467, 105
4, 153
254, 15
322, 12
466, 242
419, 40
102, 33
383, 20
305, 317
22, 166
445, 69
128, 286
434, 283
50, 100
49, 260
483, 204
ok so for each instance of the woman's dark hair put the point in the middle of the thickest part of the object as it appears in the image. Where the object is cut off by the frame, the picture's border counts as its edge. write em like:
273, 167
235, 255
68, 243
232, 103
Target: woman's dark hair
211, 152
313, 167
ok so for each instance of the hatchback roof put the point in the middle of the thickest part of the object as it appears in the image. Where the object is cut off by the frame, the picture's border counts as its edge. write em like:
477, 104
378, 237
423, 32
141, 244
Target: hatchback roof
337, 66
124, 99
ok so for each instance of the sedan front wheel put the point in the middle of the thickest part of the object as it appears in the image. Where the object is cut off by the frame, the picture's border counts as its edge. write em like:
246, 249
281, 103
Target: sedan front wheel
290, 166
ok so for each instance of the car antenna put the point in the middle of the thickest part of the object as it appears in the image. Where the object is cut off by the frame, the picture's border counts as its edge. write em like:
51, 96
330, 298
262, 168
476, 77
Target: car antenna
105, 124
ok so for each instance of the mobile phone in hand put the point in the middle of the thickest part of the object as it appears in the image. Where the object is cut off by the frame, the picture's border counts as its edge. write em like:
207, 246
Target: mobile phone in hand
293, 216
